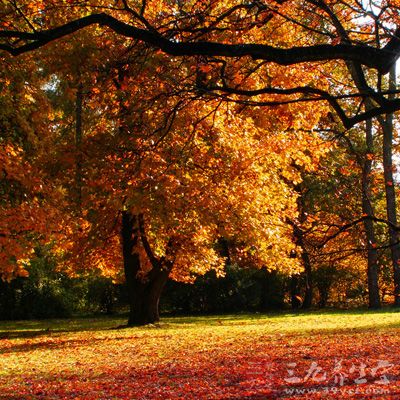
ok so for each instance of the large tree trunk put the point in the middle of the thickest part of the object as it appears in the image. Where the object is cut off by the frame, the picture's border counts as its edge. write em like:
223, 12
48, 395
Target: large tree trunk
144, 291
153, 294
391, 207
323, 295
308, 294
131, 265
145, 297
78, 146
361, 83
305, 256
294, 294
367, 209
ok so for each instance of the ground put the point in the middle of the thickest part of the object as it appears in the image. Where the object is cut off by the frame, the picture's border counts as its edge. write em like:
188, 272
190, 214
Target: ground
334, 355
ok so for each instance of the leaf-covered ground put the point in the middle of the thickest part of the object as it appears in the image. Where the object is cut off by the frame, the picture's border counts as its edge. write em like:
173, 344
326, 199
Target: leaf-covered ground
293, 356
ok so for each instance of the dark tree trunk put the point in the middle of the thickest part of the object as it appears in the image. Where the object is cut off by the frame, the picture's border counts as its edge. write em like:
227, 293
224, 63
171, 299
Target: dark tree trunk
308, 294
78, 145
144, 292
305, 256
391, 206
308, 289
294, 294
360, 81
152, 297
223, 248
367, 209
323, 296
145, 298
131, 265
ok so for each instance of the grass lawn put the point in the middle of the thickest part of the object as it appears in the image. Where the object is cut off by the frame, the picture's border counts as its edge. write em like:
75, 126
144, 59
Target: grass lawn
334, 355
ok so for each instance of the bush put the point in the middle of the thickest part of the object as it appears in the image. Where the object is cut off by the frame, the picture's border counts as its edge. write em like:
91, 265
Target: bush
41, 295
49, 293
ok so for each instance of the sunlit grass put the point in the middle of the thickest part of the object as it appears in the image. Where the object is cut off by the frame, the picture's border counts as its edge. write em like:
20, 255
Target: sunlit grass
294, 322
299, 322
219, 356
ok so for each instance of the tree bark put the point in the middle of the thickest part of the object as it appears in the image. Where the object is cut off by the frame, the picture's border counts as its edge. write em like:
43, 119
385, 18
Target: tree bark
308, 294
323, 296
380, 59
305, 256
131, 264
308, 289
78, 145
153, 291
391, 206
145, 298
367, 209
294, 295
144, 291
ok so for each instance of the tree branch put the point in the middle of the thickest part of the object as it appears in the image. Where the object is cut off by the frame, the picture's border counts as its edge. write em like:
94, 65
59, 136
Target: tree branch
347, 226
380, 59
322, 95
155, 262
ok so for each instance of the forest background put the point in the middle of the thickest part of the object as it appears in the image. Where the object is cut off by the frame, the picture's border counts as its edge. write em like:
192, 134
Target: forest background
150, 142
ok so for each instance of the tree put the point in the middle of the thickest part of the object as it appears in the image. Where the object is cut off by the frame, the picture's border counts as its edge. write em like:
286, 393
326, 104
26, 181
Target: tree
200, 31
165, 174
188, 193
262, 62
27, 203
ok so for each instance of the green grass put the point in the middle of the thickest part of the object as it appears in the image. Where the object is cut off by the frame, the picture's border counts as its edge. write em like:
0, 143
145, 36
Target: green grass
280, 322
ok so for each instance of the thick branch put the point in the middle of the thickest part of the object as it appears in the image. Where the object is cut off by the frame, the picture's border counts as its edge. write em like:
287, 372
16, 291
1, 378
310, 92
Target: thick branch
322, 95
390, 106
168, 260
155, 262
380, 59
347, 226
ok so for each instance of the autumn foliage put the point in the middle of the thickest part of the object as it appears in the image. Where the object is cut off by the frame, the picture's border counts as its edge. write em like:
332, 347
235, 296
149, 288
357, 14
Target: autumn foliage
143, 141
138, 137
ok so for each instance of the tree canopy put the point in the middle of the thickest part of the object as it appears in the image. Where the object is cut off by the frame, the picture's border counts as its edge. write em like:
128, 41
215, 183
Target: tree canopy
165, 138
226, 35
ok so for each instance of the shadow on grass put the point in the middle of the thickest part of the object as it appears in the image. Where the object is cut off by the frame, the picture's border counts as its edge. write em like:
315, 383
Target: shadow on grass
60, 344
293, 322
31, 329
24, 334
